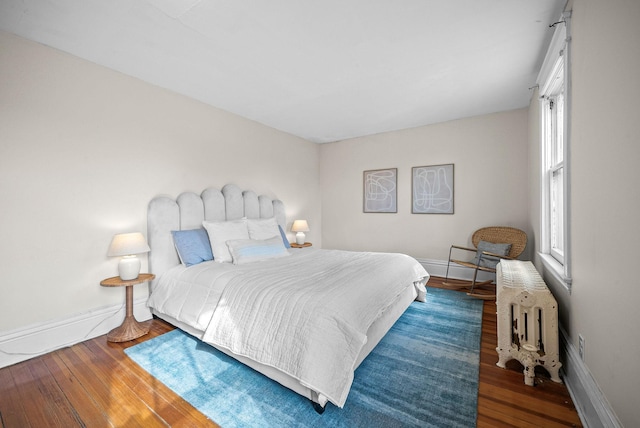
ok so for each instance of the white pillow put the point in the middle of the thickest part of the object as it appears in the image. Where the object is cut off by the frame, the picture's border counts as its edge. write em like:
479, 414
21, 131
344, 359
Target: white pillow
263, 228
222, 231
255, 250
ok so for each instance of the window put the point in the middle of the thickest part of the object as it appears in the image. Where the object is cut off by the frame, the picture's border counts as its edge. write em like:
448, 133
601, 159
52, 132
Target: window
554, 169
554, 105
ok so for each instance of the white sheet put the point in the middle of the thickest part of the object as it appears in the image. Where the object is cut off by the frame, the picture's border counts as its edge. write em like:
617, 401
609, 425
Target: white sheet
306, 315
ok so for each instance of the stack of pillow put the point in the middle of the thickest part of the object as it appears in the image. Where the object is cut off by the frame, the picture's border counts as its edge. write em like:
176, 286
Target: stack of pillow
236, 241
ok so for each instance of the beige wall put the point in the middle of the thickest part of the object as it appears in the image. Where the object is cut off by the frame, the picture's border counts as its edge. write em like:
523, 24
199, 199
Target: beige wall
82, 151
603, 304
490, 157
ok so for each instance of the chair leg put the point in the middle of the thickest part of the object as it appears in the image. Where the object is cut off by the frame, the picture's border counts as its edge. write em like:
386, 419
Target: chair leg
475, 275
482, 296
476, 294
446, 282
458, 284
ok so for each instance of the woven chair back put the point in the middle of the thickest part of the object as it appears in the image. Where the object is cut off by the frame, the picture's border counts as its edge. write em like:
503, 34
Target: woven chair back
502, 235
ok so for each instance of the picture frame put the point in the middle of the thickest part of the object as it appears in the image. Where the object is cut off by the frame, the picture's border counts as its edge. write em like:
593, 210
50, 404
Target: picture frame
432, 189
380, 191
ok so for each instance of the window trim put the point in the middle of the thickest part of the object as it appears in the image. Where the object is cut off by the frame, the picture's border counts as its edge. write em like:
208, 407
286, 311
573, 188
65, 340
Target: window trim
557, 62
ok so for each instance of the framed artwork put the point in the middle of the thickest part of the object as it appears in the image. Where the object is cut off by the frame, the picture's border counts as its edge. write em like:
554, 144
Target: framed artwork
432, 189
380, 191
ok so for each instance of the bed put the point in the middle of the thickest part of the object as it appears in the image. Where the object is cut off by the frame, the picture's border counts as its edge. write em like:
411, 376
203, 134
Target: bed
305, 318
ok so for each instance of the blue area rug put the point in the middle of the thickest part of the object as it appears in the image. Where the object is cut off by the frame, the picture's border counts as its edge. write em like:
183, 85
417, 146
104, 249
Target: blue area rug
423, 373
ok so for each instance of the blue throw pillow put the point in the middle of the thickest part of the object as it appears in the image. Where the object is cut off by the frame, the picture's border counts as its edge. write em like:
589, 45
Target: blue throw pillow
256, 250
285, 241
192, 245
490, 261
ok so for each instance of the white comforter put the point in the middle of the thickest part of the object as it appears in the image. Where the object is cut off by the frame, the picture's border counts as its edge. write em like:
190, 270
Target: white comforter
306, 314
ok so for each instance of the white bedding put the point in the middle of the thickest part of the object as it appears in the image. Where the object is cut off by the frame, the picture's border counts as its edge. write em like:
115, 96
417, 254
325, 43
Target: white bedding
306, 315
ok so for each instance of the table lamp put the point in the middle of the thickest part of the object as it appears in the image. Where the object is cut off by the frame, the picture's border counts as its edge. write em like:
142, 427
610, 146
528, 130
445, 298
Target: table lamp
300, 226
128, 245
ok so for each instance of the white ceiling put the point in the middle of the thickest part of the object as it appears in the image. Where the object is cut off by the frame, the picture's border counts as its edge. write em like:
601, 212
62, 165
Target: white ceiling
323, 70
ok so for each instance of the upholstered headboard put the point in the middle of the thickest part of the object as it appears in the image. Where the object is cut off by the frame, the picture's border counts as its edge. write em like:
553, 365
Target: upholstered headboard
189, 210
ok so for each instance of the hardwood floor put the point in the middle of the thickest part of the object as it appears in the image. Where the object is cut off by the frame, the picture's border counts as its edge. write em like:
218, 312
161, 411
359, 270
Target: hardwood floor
94, 384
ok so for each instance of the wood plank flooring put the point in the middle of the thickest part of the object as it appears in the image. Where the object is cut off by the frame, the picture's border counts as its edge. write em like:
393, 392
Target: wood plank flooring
94, 384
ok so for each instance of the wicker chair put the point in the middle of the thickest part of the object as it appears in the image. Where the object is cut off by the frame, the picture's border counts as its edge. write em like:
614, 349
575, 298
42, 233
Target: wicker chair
485, 260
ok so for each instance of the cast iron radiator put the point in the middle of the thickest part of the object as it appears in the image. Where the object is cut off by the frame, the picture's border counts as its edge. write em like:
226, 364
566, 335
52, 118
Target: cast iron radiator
527, 320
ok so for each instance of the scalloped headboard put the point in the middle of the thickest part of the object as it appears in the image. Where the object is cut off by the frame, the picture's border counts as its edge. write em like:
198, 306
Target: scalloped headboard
189, 210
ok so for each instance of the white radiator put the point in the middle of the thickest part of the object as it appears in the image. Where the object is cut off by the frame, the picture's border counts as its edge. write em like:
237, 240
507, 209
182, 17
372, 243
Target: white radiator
527, 319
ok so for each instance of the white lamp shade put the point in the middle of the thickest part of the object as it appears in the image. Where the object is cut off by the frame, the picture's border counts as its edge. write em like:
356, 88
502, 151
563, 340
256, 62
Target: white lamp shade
300, 226
126, 244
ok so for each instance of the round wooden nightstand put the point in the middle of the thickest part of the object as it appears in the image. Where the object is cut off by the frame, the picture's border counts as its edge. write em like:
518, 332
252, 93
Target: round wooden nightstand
130, 328
306, 244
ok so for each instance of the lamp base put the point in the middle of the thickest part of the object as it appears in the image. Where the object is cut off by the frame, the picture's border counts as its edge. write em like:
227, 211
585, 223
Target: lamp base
300, 237
129, 267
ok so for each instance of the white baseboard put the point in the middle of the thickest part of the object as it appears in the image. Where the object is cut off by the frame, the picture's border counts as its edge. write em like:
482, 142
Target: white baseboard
593, 408
32, 341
